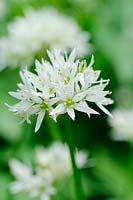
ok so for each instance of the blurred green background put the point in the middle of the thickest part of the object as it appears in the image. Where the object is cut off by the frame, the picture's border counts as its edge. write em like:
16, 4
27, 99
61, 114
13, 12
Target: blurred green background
111, 28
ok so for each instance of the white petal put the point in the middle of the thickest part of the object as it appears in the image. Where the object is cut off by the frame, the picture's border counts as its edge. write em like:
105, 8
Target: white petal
80, 96
17, 95
72, 57
71, 113
45, 197
16, 187
92, 61
39, 120
81, 79
107, 101
83, 107
104, 109
20, 170
58, 110
37, 63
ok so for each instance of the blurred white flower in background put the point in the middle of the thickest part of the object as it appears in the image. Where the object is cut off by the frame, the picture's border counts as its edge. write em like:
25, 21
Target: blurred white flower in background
52, 164
38, 185
122, 124
59, 87
121, 95
38, 30
56, 159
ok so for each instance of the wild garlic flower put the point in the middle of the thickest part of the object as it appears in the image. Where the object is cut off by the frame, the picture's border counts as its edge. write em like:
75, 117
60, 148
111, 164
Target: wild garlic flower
60, 86
51, 166
40, 29
122, 124
35, 185
56, 159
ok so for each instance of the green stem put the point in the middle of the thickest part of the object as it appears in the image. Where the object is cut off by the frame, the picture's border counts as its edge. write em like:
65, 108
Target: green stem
76, 172
54, 129
130, 154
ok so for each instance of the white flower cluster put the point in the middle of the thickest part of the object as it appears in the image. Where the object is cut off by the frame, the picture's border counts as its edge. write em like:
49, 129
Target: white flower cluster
122, 124
59, 87
56, 159
52, 165
36, 31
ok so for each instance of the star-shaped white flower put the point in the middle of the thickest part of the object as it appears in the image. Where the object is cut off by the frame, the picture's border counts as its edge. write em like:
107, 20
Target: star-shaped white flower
63, 85
35, 185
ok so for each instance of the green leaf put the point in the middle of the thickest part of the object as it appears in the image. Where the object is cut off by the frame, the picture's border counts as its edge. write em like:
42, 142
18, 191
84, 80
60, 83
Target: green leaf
9, 127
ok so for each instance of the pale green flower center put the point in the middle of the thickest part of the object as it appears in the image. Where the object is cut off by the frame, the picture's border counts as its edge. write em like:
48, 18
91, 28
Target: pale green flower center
44, 105
51, 90
66, 80
42, 188
81, 67
70, 102
80, 70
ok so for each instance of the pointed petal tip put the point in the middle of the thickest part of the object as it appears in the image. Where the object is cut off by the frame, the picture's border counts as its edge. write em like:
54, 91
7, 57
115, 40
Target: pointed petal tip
36, 130
71, 113
10, 93
73, 118
88, 115
37, 63
6, 104
110, 115
92, 56
48, 51
104, 110
39, 120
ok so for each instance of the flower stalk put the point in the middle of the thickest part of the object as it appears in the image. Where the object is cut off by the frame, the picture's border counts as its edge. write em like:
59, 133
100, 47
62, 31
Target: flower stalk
72, 151
54, 129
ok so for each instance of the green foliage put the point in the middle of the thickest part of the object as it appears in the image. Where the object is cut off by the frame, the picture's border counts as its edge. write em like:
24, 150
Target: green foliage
111, 177
115, 178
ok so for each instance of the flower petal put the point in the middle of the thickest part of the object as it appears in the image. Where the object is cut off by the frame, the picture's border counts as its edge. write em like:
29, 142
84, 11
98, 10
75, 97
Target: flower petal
83, 107
104, 109
45, 197
59, 109
71, 113
20, 170
39, 120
